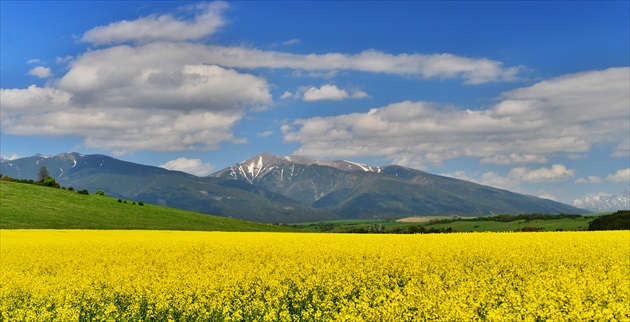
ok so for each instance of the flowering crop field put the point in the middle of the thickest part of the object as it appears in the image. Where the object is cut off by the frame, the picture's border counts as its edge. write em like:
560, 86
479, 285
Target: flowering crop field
95, 275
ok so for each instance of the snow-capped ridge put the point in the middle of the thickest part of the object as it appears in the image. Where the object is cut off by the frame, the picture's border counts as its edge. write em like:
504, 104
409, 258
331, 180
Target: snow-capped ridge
259, 165
604, 202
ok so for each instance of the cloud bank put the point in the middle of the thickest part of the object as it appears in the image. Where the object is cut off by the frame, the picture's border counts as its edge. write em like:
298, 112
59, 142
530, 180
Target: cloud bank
568, 114
152, 85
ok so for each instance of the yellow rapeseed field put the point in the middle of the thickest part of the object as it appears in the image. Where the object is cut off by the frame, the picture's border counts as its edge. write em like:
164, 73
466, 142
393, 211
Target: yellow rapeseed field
65, 275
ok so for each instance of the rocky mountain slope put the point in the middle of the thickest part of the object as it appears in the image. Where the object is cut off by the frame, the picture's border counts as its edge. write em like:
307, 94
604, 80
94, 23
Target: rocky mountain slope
353, 190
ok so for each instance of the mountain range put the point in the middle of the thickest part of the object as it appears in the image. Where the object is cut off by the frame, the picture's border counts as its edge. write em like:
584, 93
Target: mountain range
604, 203
267, 188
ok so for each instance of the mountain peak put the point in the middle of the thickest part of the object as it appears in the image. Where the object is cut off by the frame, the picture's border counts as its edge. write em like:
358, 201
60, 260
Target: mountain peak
261, 164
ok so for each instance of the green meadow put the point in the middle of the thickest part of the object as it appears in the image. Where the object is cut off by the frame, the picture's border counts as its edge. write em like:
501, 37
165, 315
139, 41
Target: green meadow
28, 206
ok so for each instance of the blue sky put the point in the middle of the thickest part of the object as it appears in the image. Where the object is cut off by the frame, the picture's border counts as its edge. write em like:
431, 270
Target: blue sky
532, 97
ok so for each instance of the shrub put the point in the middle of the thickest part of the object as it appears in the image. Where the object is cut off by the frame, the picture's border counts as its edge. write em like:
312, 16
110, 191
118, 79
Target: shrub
141, 203
100, 192
83, 192
50, 182
70, 189
119, 200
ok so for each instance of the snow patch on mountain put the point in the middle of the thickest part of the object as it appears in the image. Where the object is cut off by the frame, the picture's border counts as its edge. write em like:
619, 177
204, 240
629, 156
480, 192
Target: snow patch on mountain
604, 202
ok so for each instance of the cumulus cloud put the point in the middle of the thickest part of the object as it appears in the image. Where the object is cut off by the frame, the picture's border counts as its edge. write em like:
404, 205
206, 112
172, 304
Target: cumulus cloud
192, 166
286, 95
33, 61
568, 114
622, 175
144, 106
516, 176
206, 21
556, 173
40, 71
326, 92
330, 92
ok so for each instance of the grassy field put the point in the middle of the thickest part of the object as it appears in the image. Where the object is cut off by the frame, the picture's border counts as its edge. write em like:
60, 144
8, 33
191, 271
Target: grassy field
467, 225
353, 225
424, 219
26, 206
567, 224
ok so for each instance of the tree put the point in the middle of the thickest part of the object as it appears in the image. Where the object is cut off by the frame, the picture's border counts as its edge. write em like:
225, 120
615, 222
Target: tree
42, 174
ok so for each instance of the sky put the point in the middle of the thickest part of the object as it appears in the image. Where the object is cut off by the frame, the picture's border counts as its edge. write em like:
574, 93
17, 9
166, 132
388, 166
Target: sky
528, 96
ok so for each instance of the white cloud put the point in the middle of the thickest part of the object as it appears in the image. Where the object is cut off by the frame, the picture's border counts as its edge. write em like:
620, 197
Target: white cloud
556, 173
265, 134
326, 92
494, 179
548, 196
207, 20
126, 98
565, 115
590, 179
514, 158
516, 176
358, 94
622, 175
12, 157
137, 106
193, 166
40, 71
462, 175
330, 92
33, 61
61, 60
622, 150
473, 71
286, 95
291, 42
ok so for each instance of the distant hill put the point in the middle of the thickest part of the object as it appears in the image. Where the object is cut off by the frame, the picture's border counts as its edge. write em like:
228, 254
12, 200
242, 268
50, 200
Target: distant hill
272, 189
353, 190
121, 179
26, 206
604, 203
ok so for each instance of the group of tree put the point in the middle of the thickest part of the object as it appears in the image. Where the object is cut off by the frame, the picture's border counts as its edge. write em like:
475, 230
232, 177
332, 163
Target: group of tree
43, 179
617, 221
509, 218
